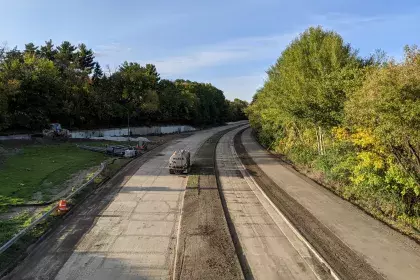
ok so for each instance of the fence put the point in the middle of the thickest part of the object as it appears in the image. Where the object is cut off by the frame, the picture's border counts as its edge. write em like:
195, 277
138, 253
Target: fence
16, 137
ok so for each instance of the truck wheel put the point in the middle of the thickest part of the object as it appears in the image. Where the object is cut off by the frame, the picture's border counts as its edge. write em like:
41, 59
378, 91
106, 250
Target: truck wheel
171, 171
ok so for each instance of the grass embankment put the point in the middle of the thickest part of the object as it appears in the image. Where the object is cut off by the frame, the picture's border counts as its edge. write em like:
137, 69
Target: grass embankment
63, 159
35, 174
42, 170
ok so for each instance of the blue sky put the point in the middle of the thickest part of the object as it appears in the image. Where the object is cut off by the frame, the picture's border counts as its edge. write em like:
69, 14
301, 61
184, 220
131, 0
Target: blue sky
229, 43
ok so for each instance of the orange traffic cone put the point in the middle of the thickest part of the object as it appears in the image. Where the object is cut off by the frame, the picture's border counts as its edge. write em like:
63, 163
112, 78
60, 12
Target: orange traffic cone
62, 206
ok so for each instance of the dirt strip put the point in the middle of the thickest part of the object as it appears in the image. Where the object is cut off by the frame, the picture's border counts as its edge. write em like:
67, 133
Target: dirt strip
346, 263
205, 249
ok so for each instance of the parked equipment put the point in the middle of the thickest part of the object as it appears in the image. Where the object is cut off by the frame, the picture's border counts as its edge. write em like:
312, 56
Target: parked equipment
55, 131
180, 162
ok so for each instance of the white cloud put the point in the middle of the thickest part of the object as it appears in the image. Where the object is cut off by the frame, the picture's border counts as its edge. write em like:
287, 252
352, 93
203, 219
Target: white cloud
242, 87
238, 50
248, 48
333, 20
110, 49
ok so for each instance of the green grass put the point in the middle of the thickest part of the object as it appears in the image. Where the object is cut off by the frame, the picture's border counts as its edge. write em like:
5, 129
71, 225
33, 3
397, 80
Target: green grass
192, 182
38, 168
12, 226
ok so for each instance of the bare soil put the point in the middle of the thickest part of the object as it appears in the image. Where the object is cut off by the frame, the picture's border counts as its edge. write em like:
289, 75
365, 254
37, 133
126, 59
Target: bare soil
205, 249
346, 263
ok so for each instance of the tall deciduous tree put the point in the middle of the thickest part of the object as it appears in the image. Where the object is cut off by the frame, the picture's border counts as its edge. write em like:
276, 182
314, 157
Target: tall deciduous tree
312, 74
388, 106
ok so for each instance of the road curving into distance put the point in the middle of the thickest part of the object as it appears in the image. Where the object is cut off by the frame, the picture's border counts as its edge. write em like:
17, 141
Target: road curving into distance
244, 215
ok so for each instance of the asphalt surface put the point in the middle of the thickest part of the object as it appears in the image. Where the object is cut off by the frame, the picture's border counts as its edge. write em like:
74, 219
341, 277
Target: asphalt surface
128, 232
353, 243
270, 248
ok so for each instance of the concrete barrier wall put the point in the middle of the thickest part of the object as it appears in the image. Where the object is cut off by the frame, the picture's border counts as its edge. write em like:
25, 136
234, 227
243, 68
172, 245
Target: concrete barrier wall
142, 130
16, 137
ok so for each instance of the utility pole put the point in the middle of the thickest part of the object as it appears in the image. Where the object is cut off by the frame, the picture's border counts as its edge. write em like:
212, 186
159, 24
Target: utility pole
128, 125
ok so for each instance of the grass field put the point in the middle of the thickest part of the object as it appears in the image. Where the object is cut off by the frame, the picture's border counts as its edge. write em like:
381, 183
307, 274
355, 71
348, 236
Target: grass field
41, 168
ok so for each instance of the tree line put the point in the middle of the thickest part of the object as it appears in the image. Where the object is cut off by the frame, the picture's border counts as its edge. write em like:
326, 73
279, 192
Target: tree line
64, 83
354, 120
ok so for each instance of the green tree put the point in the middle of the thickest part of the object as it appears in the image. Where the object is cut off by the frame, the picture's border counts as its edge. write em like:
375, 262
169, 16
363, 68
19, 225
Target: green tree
31, 49
29, 87
388, 106
85, 58
313, 73
64, 84
65, 56
170, 98
236, 109
98, 74
48, 51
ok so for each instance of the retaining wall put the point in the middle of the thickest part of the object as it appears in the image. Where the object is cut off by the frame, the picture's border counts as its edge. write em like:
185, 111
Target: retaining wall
142, 130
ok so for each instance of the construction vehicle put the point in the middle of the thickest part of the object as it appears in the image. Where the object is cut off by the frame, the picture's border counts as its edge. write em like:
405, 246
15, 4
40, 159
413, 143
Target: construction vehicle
55, 131
180, 162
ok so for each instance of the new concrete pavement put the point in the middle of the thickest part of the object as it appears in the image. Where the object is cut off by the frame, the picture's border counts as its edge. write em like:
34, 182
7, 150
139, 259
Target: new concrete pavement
133, 237
271, 249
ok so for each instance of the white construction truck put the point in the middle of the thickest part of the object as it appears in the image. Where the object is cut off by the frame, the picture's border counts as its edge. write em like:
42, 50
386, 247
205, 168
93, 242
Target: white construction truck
180, 162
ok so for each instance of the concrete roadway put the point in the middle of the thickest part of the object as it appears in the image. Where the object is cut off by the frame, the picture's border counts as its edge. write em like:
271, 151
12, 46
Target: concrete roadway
390, 253
133, 238
271, 249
